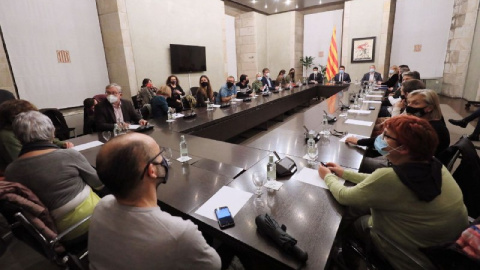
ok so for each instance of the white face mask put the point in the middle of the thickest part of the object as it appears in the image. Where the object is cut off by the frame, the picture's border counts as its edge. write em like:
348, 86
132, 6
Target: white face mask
259, 78
315, 72
390, 71
112, 99
268, 74
372, 70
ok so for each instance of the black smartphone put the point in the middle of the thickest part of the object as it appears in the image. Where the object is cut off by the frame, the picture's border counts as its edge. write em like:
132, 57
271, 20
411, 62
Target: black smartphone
224, 217
371, 108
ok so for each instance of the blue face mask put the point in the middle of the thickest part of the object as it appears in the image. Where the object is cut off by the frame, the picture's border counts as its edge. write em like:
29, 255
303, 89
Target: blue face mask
341, 71
381, 144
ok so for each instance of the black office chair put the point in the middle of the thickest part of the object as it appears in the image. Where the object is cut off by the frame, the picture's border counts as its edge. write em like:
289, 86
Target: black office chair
135, 102
194, 90
62, 130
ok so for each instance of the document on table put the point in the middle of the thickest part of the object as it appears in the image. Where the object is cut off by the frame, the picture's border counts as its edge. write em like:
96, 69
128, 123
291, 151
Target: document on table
85, 146
359, 111
234, 199
359, 122
237, 99
133, 126
376, 92
177, 115
374, 96
372, 101
356, 136
216, 105
311, 176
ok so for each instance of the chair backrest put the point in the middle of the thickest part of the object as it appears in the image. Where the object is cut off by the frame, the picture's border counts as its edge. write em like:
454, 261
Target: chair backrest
194, 90
61, 128
6, 95
135, 102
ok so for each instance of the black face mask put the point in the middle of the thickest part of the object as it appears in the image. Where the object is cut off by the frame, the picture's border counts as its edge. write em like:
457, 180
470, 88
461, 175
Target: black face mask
173, 82
418, 112
229, 84
164, 164
204, 84
247, 81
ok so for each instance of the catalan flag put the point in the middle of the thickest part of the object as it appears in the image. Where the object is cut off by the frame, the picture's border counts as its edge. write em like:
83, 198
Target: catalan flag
332, 69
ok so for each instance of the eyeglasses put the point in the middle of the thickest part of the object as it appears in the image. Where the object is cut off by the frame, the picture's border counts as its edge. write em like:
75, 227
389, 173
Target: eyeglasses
163, 163
388, 136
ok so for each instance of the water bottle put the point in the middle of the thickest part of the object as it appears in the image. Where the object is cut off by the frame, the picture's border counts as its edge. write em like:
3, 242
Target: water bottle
312, 150
170, 114
325, 128
116, 130
355, 101
183, 147
271, 169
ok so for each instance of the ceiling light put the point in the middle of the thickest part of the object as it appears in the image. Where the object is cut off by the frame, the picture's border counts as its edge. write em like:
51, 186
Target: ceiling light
320, 1
276, 10
288, 2
296, 6
254, 1
266, 5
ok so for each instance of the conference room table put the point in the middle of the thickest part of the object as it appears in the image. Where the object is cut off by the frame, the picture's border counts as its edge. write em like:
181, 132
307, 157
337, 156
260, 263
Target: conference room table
311, 214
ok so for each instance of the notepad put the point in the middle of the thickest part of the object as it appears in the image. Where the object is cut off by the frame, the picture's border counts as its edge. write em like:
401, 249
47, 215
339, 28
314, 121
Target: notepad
133, 126
86, 146
372, 101
359, 111
233, 198
374, 96
311, 176
356, 136
216, 105
359, 122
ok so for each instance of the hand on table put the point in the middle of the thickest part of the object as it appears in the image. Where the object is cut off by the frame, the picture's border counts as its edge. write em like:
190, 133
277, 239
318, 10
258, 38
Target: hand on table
323, 171
143, 122
335, 168
352, 140
68, 145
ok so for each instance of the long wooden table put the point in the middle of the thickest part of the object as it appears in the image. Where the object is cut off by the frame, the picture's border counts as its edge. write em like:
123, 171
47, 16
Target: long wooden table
311, 214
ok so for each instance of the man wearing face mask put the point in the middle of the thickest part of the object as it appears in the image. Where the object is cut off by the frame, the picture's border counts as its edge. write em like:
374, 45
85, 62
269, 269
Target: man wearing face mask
243, 86
372, 76
227, 92
316, 77
128, 230
414, 203
341, 76
267, 81
115, 110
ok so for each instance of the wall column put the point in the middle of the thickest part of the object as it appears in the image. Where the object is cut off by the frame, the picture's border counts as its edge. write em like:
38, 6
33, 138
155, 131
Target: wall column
6, 79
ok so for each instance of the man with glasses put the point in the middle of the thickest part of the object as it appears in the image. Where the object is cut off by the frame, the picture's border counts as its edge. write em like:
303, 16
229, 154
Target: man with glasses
115, 110
128, 230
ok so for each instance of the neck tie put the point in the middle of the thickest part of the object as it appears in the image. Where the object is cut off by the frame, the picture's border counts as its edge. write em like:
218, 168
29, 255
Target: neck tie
341, 78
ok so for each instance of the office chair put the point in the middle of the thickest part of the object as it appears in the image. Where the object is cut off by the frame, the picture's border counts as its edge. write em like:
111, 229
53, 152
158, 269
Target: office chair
62, 130
194, 90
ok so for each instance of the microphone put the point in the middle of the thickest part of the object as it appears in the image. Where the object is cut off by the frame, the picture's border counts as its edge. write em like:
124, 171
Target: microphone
343, 107
330, 118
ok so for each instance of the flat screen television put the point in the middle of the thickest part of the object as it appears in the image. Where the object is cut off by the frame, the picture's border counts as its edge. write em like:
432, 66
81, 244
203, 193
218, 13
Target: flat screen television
186, 59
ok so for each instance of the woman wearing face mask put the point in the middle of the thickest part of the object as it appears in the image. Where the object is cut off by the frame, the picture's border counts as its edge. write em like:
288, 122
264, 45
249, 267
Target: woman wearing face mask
159, 102
392, 78
290, 78
281, 81
175, 101
415, 203
204, 92
420, 103
257, 85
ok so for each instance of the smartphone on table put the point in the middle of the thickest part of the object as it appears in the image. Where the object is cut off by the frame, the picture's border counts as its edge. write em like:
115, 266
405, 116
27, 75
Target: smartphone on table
224, 217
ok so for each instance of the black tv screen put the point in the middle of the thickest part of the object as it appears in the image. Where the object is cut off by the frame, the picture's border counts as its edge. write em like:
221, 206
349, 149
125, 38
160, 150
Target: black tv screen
186, 59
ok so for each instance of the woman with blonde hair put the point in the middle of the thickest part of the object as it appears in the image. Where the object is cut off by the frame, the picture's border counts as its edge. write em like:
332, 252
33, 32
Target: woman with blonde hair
159, 102
392, 77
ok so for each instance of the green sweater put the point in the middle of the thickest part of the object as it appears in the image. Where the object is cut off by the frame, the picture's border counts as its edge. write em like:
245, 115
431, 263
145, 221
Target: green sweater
400, 216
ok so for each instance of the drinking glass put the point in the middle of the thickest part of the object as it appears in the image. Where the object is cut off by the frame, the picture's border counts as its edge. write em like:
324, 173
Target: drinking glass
167, 154
258, 180
107, 135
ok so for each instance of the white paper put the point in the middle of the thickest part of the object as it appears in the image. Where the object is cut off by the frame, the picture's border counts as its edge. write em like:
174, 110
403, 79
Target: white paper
359, 122
376, 92
356, 136
359, 111
87, 145
234, 199
311, 176
170, 120
133, 126
177, 115
216, 105
237, 99
372, 101
374, 96
184, 159
276, 185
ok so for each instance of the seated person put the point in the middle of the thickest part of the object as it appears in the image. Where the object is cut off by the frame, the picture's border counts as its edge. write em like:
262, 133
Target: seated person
392, 81
10, 146
243, 90
281, 81
175, 101
89, 115
60, 178
159, 102
403, 69
341, 76
128, 230
290, 78
146, 93
416, 203
257, 85
464, 122
372, 76
267, 81
227, 92
316, 77
115, 110
204, 92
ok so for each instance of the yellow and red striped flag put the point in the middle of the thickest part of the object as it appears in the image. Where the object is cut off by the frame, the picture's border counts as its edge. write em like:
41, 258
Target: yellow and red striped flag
332, 69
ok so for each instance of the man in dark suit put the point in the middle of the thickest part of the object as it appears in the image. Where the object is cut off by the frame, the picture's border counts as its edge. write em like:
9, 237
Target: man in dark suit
316, 77
372, 76
114, 110
342, 77
267, 81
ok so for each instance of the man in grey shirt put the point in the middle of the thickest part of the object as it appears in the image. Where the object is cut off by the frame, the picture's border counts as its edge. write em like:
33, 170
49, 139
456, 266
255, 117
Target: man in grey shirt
128, 230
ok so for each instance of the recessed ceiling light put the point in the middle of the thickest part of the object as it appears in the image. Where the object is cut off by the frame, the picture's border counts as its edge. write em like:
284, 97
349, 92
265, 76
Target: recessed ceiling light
276, 10
288, 2
296, 6
320, 1
266, 5
254, 1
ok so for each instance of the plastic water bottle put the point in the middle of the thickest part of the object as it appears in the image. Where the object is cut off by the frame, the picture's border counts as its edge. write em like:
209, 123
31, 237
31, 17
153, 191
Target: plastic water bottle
271, 169
183, 147
116, 130
325, 127
312, 150
170, 113
355, 101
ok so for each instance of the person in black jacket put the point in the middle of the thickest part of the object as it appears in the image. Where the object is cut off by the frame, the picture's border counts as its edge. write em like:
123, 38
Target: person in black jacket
372, 76
393, 79
341, 76
175, 101
115, 110
267, 81
316, 77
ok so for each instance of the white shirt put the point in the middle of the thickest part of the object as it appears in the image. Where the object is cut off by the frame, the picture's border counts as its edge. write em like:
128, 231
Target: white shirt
118, 112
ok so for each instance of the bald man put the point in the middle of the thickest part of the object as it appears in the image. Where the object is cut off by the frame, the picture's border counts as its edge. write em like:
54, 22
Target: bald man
128, 230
